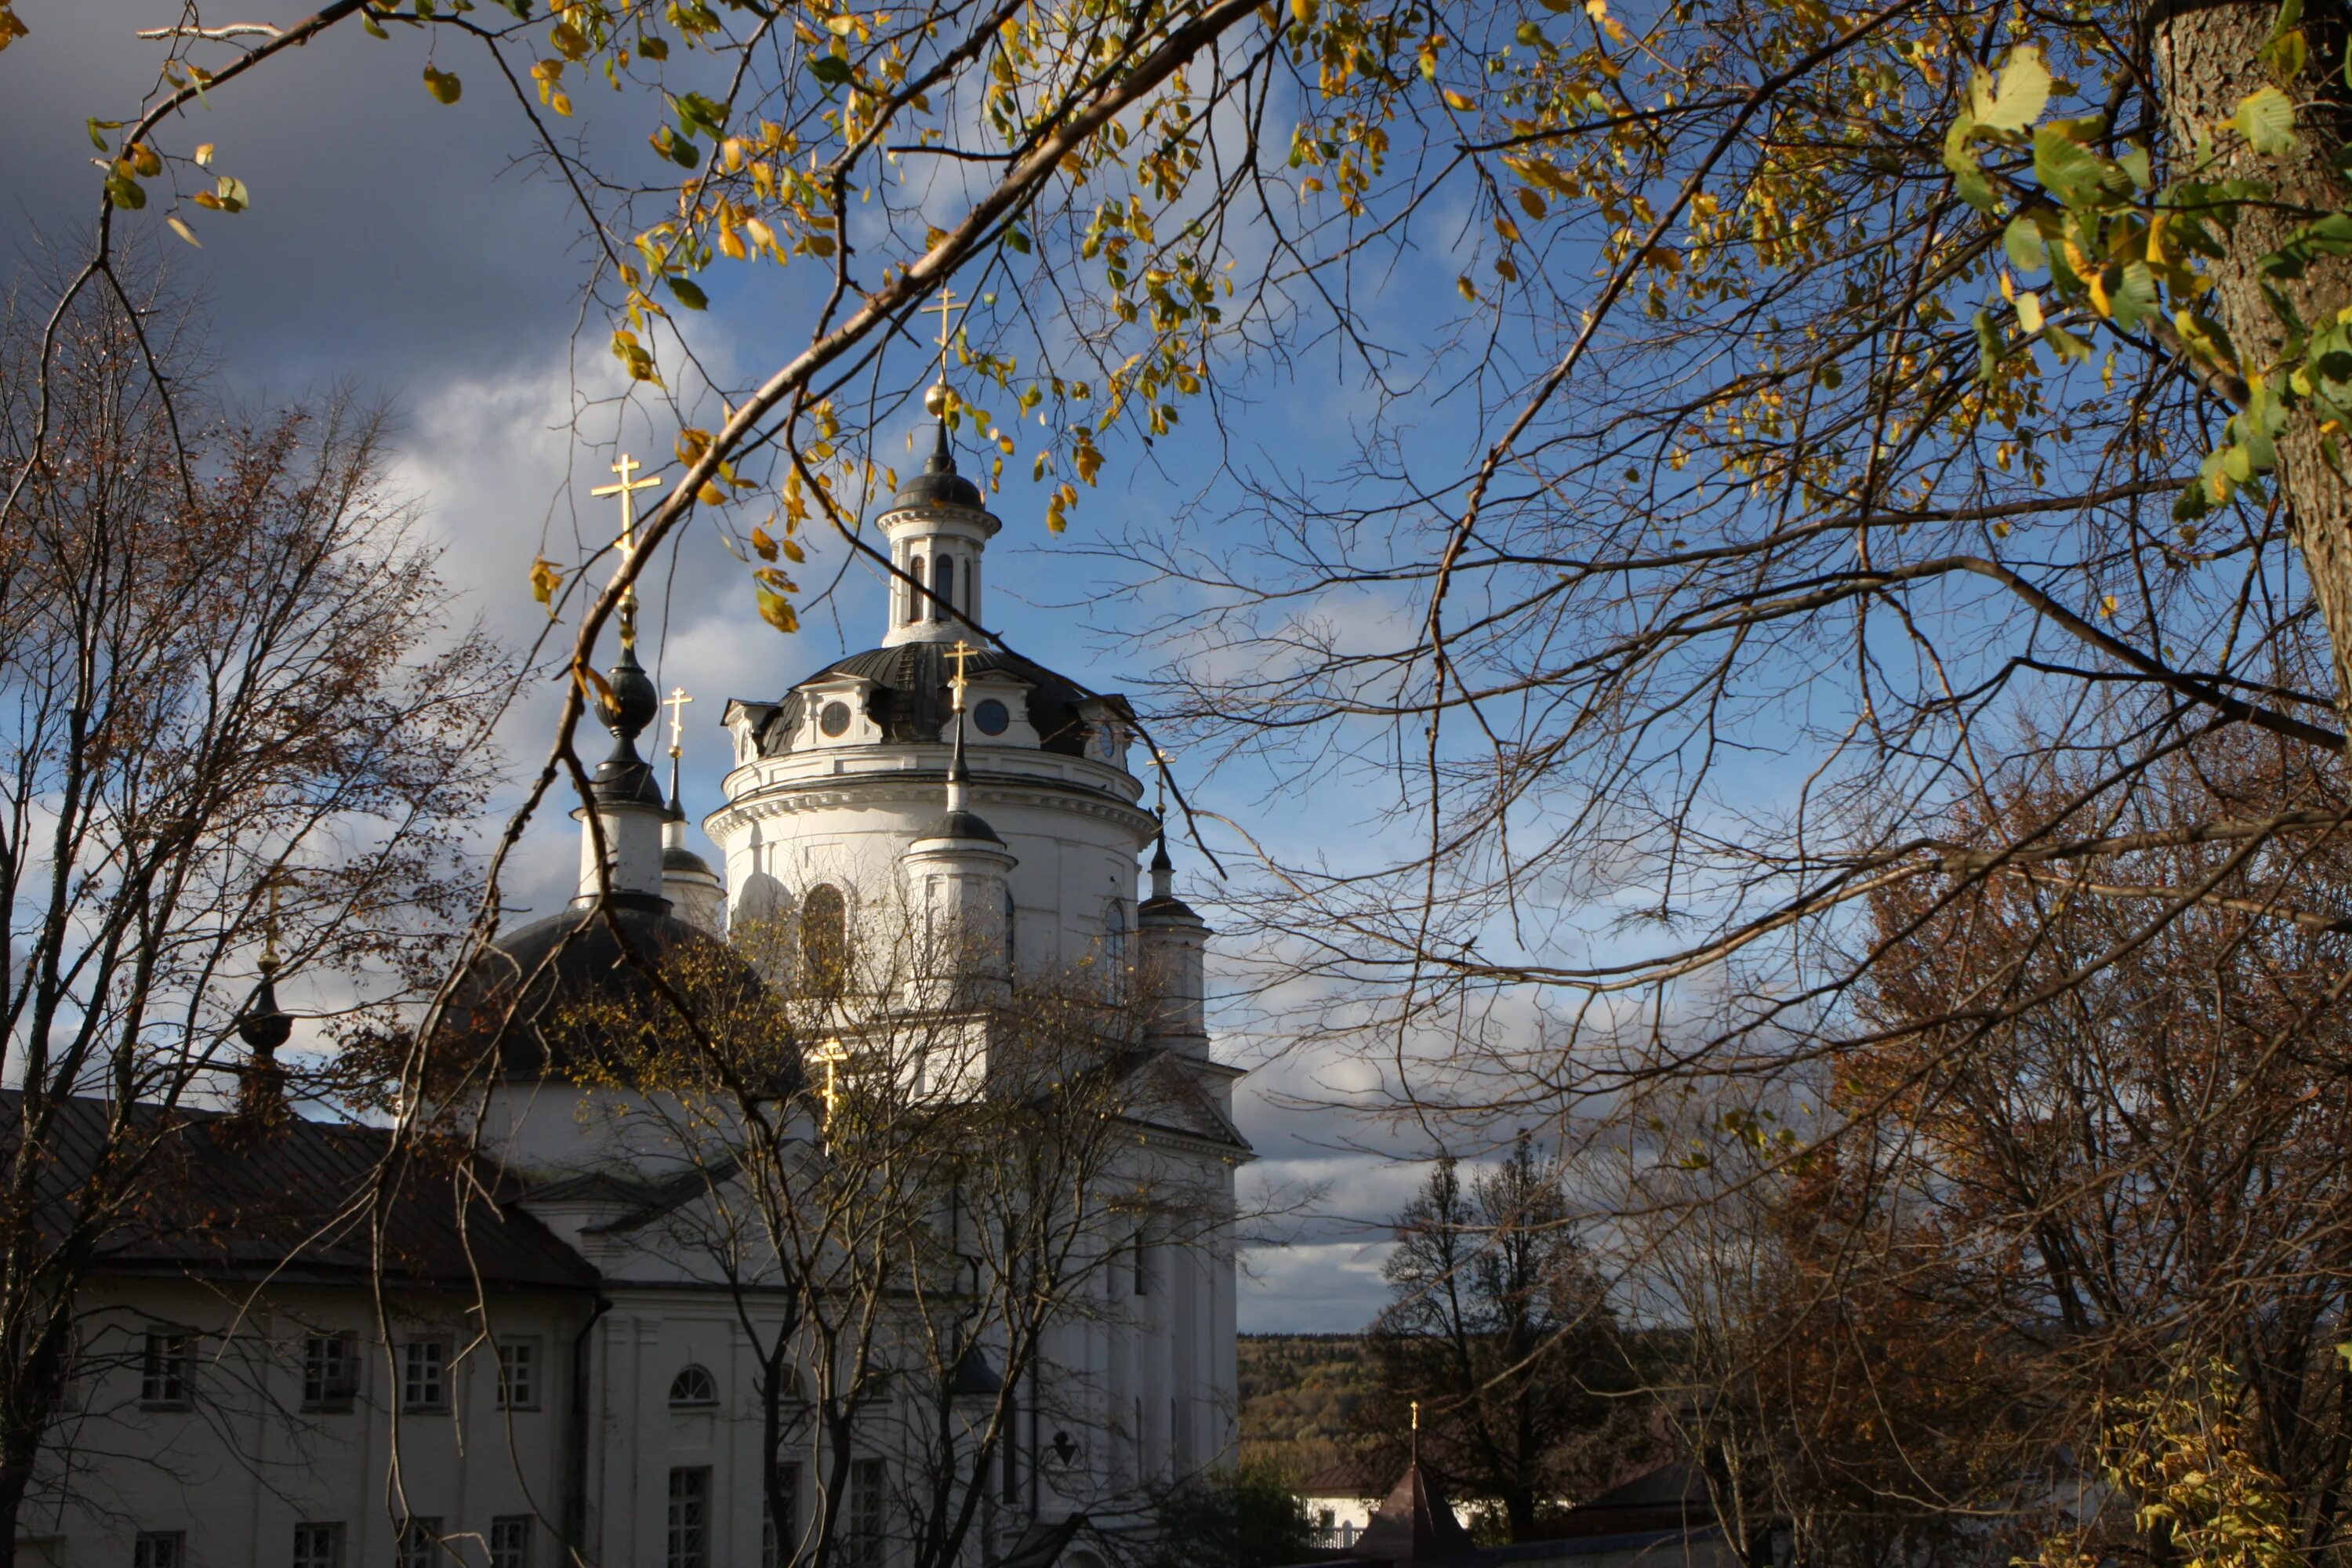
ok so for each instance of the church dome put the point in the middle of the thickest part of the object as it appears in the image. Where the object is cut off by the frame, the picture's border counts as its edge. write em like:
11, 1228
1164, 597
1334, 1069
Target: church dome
908, 697
938, 484
582, 1005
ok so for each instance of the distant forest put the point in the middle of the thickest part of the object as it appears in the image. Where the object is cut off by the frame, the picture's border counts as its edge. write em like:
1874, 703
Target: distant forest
1299, 1396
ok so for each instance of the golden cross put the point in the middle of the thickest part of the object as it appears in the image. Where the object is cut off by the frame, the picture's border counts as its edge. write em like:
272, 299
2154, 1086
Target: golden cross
676, 702
627, 490
832, 1055
961, 651
946, 306
1160, 767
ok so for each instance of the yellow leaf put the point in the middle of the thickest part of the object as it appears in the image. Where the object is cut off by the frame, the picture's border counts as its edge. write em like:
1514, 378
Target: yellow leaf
792, 551
1469, 289
203, 153
763, 544
1531, 204
1305, 11
184, 232
710, 494
442, 85
544, 579
2029, 311
1457, 102
777, 611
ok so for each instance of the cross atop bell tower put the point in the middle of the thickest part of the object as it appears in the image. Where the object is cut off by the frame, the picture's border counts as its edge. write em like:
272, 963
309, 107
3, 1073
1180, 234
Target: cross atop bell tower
937, 525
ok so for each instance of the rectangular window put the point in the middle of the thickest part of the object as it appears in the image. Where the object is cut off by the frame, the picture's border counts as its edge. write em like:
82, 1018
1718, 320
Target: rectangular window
518, 1374
510, 1541
418, 1545
424, 1374
331, 1372
167, 1375
868, 1509
690, 1517
318, 1546
1142, 1265
780, 1534
159, 1548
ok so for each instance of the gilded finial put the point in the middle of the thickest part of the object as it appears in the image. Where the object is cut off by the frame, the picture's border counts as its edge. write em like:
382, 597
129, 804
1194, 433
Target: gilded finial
676, 702
627, 543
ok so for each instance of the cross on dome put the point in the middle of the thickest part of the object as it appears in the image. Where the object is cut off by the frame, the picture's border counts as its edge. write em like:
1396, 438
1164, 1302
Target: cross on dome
627, 543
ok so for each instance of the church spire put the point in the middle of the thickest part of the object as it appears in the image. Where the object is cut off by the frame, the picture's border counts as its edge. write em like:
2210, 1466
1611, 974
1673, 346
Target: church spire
625, 800
937, 525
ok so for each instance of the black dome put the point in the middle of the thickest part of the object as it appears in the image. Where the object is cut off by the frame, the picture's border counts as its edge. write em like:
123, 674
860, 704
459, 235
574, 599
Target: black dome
581, 1002
961, 824
910, 702
938, 484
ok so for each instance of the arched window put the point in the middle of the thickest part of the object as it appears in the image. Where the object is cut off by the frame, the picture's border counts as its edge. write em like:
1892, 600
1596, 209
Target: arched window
1012, 930
944, 584
1115, 935
913, 589
825, 939
691, 1388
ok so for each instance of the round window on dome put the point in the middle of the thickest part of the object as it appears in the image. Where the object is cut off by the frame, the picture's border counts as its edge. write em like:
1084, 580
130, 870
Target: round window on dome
991, 717
834, 720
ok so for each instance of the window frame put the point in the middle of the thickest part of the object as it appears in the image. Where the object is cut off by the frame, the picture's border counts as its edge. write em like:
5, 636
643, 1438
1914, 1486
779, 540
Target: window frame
685, 1539
509, 1542
868, 1514
519, 1393
160, 1549
167, 1370
690, 1400
772, 1533
418, 1542
410, 1352
310, 1553
321, 1393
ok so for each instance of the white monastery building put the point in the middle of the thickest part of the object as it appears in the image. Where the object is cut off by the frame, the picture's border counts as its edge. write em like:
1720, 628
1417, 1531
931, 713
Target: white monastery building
562, 1328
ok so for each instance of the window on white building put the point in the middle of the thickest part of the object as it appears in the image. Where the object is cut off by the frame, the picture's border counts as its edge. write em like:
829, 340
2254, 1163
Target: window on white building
692, 1387
159, 1548
870, 1503
418, 1544
510, 1541
425, 1375
318, 1545
825, 940
167, 1372
518, 1374
780, 1521
331, 1372
690, 1517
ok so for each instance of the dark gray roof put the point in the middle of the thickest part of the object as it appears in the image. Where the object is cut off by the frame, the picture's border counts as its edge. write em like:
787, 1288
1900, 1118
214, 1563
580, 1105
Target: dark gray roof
290, 1201
909, 699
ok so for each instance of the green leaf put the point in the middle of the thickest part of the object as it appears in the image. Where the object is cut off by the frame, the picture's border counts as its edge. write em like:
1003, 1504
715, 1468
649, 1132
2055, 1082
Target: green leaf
2266, 119
444, 86
2067, 169
2134, 298
2023, 242
689, 294
2015, 100
2133, 160
830, 69
97, 126
124, 192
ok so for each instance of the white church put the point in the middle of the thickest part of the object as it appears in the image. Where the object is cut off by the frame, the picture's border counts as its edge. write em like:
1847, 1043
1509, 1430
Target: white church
599, 1317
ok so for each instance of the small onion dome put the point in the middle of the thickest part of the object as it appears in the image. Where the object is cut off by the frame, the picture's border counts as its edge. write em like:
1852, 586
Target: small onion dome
581, 999
264, 1025
625, 778
1163, 903
961, 824
938, 484
677, 859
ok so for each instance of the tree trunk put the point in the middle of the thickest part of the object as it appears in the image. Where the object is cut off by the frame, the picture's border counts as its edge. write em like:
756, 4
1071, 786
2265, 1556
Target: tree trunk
2208, 57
